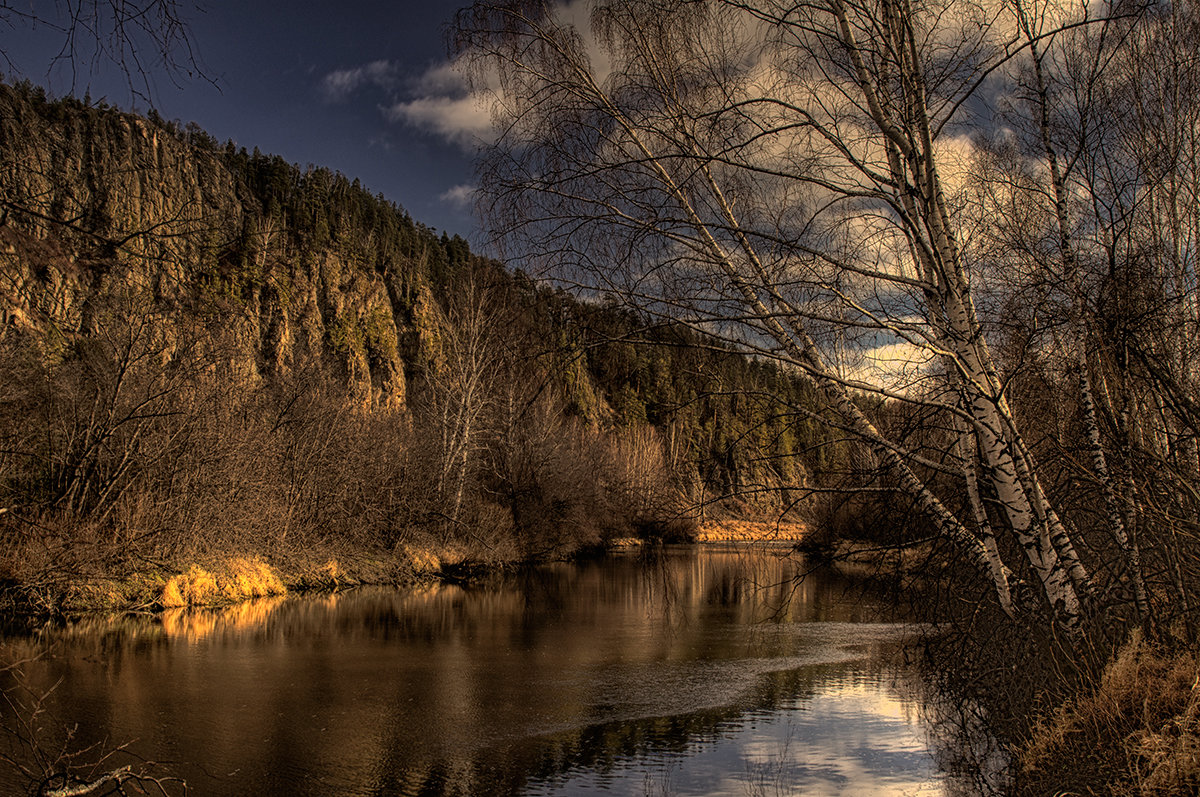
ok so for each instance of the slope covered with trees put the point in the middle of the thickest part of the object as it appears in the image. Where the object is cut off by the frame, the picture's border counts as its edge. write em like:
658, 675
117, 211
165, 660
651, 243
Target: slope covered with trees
207, 351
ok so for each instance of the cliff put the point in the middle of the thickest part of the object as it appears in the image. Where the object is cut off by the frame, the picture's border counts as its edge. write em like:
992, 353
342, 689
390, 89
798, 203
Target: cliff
300, 267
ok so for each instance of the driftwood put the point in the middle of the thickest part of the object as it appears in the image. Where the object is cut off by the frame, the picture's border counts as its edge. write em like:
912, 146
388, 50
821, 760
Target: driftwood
116, 778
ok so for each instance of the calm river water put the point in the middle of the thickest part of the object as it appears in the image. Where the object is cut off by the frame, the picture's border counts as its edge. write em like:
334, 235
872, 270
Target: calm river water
703, 671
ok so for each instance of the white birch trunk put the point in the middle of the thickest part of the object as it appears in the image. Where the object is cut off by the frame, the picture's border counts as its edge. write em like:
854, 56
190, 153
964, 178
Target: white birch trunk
1116, 523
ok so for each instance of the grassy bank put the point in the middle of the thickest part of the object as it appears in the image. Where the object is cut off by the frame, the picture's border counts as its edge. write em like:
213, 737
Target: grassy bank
123, 583
216, 580
1135, 732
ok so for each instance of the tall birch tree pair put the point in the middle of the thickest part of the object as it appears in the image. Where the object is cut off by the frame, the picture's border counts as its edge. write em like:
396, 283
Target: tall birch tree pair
800, 179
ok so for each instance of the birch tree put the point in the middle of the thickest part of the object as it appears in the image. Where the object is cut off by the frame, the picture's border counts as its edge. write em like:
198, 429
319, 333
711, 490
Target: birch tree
784, 175
1153, 209
1087, 202
1060, 82
462, 381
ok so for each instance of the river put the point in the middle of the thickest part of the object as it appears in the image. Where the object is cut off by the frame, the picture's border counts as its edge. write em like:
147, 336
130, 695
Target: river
698, 671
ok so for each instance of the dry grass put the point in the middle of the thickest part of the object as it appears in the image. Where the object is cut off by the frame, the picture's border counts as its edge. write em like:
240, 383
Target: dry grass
1136, 733
750, 531
235, 580
431, 560
218, 582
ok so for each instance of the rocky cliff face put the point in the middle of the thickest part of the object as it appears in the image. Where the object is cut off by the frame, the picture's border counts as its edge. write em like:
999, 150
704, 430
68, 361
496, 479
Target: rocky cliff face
299, 269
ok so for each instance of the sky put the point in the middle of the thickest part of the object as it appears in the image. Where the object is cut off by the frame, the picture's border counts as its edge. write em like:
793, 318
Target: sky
360, 87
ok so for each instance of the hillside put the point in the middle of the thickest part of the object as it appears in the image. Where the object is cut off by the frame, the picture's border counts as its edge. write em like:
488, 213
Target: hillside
209, 352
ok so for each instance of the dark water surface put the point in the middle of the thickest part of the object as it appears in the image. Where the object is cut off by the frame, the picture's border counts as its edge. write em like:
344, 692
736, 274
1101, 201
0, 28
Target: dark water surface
702, 672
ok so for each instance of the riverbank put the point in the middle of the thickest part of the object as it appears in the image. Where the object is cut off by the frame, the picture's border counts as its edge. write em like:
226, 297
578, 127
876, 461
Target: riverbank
1136, 731
123, 583
223, 579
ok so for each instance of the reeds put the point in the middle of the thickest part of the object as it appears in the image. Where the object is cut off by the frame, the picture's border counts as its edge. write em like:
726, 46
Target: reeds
235, 580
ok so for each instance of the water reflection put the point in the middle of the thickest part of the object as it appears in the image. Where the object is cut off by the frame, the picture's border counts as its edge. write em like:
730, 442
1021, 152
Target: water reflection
700, 672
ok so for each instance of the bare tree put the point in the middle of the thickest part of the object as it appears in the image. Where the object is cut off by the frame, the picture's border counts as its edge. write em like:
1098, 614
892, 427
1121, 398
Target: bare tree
1086, 207
462, 383
790, 177
138, 37
1058, 82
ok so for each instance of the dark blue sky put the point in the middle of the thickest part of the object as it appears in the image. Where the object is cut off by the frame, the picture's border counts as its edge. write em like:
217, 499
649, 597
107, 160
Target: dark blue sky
360, 87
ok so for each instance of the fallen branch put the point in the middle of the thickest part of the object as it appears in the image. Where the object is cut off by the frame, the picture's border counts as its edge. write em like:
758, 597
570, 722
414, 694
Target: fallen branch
115, 777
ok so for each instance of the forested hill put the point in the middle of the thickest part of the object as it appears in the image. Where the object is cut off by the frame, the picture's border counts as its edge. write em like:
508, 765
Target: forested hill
211, 348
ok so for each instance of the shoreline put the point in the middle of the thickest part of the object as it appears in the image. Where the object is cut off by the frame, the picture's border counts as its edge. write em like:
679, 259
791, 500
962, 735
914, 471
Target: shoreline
218, 581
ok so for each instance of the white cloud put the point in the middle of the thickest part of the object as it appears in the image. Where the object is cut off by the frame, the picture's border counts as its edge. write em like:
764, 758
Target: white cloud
460, 195
443, 78
441, 101
436, 101
462, 120
892, 366
338, 85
